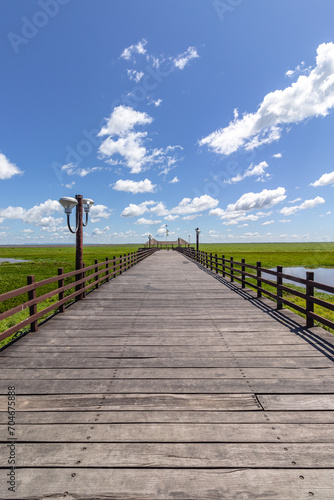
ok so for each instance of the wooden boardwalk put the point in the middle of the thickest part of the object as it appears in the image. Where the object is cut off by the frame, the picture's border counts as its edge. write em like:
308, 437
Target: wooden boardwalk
168, 383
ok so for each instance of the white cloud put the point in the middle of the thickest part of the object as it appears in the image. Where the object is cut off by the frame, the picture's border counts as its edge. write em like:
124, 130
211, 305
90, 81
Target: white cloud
188, 206
305, 205
134, 210
183, 59
123, 119
173, 181
122, 140
7, 169
157, 103
134, 187
264, 199
98, 232
277, 155
71, 169
285, 221
324, 180
171, 217
160, 209
191, 217
300, 68
70, 185
295, 200
39, 215
147, 222
138, 48
267, 223
98, 212
134, 75
311, 95
257, 170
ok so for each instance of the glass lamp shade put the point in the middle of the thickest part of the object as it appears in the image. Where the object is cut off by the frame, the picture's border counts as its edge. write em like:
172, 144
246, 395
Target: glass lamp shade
87, 203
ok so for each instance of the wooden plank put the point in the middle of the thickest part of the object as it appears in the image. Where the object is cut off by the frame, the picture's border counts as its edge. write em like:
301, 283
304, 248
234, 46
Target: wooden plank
325, 385
164, 373
129, 401
149, 455
159, 433
233, 415
55, 361
168, 484
297, 401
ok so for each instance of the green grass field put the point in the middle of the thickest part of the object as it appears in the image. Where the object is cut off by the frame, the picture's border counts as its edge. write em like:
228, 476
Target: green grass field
43, 262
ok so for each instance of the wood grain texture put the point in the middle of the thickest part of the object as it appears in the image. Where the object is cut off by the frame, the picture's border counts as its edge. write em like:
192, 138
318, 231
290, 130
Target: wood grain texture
167, 383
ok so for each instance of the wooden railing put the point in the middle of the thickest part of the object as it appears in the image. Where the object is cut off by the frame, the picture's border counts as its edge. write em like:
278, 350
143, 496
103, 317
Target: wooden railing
101, 272
241, 272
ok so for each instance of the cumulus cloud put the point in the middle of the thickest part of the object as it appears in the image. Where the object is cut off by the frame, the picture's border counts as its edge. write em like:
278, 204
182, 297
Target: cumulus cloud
98, 212
122, 120
277, 155
303, 206
138, 48
268, 222
265, 199
174, 181
99, 232
183, 59
134, 210
252, 170
7, 169
160, 209
311, 95
129, 144
134, 187
39, 215
324, 180
191, 217
147, 222
198, 204
171, 217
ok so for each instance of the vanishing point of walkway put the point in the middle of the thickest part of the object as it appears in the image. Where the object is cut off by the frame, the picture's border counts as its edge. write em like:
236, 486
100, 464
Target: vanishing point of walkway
168, 383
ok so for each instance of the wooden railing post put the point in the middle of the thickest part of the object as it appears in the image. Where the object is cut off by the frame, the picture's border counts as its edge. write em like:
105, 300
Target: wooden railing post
96, 270
258, 280
216, 263
243, 270
309, 303
232, 274
114, 266
210, 261
120, 264
279, 269
61, 285
107, 269
223, 265
84, 283
32, 308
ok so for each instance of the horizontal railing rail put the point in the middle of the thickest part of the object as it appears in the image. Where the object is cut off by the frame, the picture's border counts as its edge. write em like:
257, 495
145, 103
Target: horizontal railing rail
101, 273
242, 274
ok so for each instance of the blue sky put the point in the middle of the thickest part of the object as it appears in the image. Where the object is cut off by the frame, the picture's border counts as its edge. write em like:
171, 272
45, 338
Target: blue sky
210, 113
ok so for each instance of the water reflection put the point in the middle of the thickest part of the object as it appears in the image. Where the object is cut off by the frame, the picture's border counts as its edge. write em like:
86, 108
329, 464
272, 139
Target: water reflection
322, 275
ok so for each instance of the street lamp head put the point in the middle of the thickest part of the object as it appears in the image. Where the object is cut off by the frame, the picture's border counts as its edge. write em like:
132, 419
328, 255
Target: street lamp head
87, 203
197, 230
68, 203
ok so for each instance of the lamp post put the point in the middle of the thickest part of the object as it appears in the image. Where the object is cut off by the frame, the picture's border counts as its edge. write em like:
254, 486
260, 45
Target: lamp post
167, 232
149, 240
82, 205
197, 238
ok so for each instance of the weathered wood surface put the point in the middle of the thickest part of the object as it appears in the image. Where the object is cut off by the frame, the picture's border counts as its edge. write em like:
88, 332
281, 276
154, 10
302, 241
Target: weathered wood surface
168, 369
